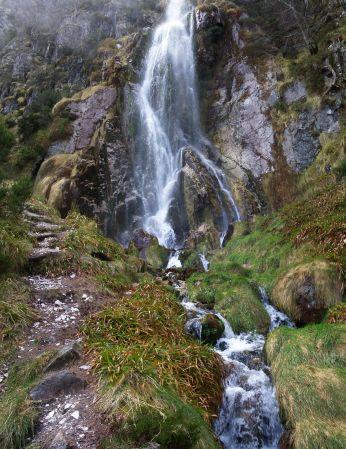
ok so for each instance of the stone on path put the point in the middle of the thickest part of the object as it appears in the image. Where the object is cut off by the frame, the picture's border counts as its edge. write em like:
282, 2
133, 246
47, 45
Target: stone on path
63, 382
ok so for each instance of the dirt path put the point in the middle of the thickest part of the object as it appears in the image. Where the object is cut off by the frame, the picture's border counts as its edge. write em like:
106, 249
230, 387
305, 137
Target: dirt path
69, 417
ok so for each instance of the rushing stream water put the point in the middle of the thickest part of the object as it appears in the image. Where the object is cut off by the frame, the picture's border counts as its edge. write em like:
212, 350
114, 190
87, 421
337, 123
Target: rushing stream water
169, 124
249, 414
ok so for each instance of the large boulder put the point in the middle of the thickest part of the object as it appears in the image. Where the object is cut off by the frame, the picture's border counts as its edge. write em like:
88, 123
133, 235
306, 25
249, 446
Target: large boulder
307, 291
203, 239
203, 199
148, 248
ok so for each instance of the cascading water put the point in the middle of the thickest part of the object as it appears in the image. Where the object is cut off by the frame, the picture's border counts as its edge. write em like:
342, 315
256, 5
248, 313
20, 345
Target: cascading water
169, 123
249, 414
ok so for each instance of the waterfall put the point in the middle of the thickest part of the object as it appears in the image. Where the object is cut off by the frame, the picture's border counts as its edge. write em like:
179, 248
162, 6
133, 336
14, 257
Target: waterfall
169, 123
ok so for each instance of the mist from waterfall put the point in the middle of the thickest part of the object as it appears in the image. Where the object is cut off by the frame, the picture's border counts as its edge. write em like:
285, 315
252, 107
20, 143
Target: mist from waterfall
169, 123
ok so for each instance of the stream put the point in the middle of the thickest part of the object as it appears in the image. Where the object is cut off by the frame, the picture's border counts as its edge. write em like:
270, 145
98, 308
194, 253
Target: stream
249, 414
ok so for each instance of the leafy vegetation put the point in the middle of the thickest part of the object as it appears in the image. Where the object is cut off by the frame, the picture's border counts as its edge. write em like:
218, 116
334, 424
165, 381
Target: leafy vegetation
7, 139
15, 312
308, 366
40, 113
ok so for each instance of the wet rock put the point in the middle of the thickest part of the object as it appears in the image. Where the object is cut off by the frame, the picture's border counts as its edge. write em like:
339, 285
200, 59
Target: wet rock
295, 92
87, 109
203, 201
149, 249
57, 384
203, 239
39, 254
299, 145
208, 328
65, 355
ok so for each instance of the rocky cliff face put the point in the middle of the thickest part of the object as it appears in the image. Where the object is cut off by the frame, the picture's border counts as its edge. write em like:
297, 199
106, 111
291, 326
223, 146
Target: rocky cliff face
265, 125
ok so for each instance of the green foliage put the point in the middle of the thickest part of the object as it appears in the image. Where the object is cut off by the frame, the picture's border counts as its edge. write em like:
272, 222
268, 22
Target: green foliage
86, 250
7, 140
308, 367
154, 376
19, 415
337, 314
40, 113
13, 196
319, 221
15, 245
15, 312
150, 413
206, 296
236, 298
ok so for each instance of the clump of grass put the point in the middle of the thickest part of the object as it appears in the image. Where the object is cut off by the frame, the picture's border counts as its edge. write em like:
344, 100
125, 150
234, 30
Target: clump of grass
15, 245
87, 251
291, 293
15, 312
158, 383
320, 221
86, 237
309, 373
19, 415
145, 335
337, 314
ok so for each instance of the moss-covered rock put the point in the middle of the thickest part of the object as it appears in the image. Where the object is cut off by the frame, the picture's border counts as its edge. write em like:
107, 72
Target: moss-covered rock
206, 297
307, 291
212, 328
147, 247
309, 375
235, 297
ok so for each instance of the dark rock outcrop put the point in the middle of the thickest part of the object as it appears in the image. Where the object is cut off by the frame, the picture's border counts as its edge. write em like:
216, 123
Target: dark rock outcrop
57, 384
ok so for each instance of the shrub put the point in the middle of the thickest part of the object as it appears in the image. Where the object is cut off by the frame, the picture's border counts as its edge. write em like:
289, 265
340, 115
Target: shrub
7, 140
39, 114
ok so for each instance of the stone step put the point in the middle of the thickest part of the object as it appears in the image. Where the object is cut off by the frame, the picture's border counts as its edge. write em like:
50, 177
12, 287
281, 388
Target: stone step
39, 236
32, 216
45, 226
49, 242
39, 254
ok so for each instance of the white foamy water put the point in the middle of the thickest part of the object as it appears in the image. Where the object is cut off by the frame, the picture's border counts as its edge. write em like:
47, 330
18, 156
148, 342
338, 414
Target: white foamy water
249, 414
169, 123
277, 318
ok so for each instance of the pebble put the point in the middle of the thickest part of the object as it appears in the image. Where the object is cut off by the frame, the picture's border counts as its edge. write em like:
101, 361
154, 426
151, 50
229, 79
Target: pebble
75, 414
85, 367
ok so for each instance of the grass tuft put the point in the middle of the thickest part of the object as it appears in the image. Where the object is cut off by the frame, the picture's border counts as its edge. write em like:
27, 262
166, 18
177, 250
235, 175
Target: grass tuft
308, 367
18, 414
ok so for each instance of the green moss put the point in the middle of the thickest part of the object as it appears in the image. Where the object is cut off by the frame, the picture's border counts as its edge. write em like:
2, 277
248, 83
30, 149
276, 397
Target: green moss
236, 298
19, 415
7, 140
150, 413
309, 373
